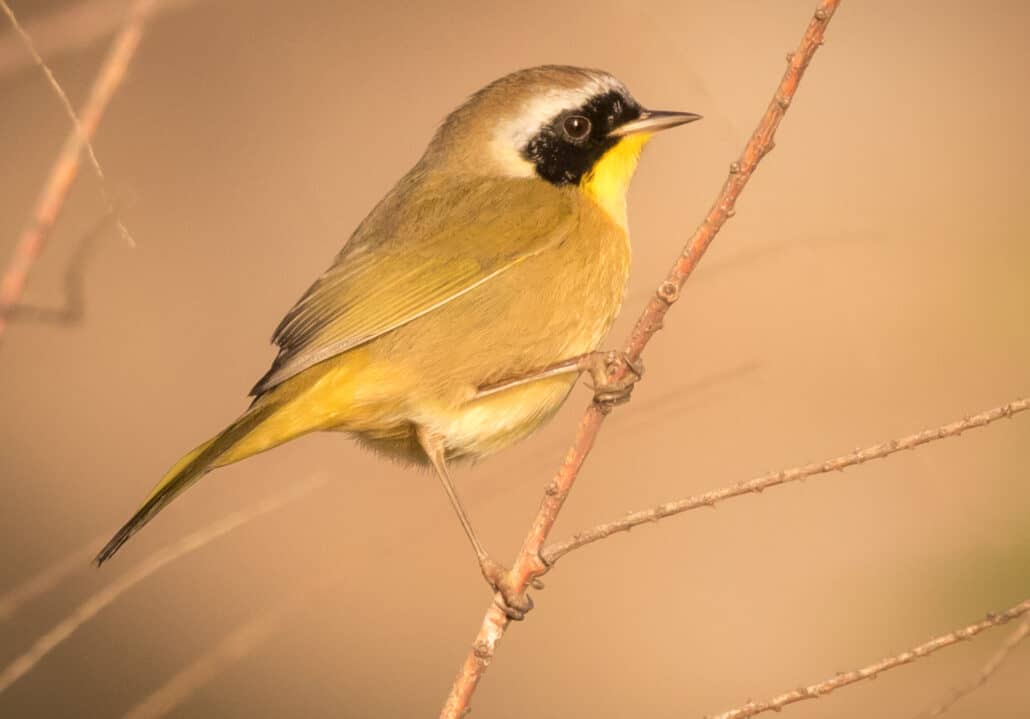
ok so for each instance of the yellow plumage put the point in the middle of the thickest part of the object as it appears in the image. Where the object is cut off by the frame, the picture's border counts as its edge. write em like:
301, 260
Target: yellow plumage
481, 265
608, 181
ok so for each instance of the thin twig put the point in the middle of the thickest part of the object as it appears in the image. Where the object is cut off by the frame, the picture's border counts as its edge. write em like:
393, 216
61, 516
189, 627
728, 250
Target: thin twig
554, 552
56, 87
233, 648
92, 606
988, 669
814, 691
248, 638
68, 109
528, 564
73, 308
70, 27
66, 167
236, 646
44, 581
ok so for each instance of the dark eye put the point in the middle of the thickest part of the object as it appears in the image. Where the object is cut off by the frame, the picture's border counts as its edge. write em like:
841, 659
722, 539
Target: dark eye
576, 127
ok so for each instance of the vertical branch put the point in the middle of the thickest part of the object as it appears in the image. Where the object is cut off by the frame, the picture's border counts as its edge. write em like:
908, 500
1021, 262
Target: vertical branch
65, 169
529, 564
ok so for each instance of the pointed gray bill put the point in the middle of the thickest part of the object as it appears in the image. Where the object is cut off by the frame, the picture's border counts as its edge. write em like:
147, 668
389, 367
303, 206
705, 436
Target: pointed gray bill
653, 121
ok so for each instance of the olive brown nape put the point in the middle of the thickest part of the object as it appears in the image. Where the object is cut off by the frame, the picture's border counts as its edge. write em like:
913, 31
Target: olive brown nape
569, 145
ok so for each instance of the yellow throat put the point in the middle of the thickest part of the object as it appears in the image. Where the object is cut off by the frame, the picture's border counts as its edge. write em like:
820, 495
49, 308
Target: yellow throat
608, 180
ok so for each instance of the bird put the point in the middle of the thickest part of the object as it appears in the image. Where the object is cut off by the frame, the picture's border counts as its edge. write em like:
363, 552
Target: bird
460, 313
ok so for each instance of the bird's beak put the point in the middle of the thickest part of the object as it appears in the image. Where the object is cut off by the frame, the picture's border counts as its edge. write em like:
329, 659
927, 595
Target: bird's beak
653, 121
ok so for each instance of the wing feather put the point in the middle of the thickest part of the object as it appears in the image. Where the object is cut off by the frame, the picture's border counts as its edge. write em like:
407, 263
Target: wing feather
410, 257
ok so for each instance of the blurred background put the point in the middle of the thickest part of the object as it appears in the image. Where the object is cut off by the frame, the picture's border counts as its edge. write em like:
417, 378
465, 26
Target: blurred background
873, 283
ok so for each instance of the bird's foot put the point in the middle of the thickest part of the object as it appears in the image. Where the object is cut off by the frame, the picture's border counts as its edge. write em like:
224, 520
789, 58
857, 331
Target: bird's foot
605, 369
515, 604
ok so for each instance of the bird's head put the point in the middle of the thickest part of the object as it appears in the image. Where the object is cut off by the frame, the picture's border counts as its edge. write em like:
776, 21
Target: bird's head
563, 125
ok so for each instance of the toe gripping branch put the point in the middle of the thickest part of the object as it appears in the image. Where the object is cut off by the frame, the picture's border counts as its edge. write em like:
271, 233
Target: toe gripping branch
613, 375
515, 604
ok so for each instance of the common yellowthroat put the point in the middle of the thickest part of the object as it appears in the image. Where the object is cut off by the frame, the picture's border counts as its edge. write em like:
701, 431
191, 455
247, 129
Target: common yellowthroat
458, 316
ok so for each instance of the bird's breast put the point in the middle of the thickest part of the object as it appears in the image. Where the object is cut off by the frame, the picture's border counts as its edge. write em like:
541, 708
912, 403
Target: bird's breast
556, 306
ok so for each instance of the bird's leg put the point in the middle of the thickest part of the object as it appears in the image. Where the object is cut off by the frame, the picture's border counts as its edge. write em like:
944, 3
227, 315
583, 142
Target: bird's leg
569, 366
515, 604
602, 366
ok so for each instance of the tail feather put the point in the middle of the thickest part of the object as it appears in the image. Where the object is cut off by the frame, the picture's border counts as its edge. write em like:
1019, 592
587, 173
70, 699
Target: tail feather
186, 471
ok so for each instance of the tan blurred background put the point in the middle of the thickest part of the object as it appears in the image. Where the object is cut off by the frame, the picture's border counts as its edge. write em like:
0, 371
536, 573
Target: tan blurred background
873, 283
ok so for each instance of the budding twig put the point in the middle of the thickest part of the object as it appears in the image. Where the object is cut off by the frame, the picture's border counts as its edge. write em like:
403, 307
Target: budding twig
814, 691
554, 552
988, 669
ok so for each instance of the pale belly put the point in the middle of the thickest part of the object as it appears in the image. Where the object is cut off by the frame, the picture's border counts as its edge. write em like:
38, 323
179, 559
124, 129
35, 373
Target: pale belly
427, 374
484, 426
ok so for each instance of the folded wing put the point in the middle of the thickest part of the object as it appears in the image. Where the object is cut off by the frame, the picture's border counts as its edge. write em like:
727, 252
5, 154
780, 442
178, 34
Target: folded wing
409, 258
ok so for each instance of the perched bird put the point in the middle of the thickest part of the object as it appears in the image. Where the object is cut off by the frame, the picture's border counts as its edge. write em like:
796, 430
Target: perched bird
458, 316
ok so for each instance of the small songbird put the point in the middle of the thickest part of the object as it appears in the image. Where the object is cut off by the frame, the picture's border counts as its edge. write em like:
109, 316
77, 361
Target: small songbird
456, 319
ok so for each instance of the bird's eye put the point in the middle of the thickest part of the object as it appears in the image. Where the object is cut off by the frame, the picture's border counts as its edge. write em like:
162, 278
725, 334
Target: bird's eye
576, 127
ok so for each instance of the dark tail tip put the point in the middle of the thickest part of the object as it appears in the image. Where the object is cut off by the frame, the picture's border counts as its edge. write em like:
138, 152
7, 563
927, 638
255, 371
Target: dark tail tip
113, 545
146, 512
187, 471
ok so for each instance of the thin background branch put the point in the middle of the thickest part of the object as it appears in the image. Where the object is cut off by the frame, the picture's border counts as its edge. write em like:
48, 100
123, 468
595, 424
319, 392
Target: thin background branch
73, 308
236, 646
988, 669
69, 28
529, 564
532, 561
182, 685
68, 109
66, 168
44, 581
814, 691
23, 664
554, 552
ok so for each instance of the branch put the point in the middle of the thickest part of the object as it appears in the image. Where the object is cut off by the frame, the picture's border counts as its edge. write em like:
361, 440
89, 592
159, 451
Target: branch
234, 647
814, 691
528, 564
554, 552
237, 645
46, 580
988, 669
70, 28
66, 103
73, 309
66, 167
